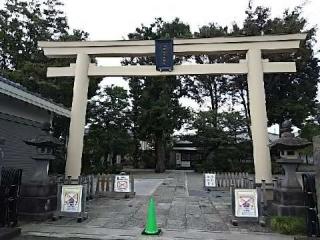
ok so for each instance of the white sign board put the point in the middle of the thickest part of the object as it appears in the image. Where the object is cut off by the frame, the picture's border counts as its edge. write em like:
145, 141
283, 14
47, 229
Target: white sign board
71, 196
185, 164
210, 180
246, 203
178, 158
122, 183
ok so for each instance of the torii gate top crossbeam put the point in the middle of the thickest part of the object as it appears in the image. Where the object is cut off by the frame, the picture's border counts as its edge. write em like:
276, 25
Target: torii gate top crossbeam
124, 48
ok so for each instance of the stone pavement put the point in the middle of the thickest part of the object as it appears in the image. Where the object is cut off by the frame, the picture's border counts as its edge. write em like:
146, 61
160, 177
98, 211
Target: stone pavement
184, 211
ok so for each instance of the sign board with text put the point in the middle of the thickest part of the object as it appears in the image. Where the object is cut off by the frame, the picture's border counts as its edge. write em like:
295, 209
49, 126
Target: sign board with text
122, 183
185, 164
210, 180
246, 203
71, 197
164, 55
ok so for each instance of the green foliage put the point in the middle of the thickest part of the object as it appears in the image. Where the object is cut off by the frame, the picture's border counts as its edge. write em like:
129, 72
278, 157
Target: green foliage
114, 169
156, 111
109, 129
23, 23
288, 225
148, 159
222, 140
310, 129
287, 95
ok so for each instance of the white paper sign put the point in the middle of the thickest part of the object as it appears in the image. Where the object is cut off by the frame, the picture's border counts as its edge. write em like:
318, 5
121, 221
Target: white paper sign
71, 198
210, 180
246, 203
185, 164
178, 158
122, 183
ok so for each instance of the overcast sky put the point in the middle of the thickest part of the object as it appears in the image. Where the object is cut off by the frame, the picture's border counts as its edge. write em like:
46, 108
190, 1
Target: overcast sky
114, 19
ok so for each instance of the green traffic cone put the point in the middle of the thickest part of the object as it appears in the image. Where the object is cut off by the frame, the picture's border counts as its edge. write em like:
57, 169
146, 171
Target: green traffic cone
151, 227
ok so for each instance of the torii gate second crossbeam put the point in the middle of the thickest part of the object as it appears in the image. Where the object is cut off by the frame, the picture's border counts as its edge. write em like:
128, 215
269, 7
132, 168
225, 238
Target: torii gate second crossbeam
254, 66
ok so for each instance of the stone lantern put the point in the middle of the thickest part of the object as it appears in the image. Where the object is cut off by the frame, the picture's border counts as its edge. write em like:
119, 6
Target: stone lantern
39, 195
45, 144
288, 197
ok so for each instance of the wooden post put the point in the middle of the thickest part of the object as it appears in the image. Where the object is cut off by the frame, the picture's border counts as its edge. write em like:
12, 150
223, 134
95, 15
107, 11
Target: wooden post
257, 105
78, 116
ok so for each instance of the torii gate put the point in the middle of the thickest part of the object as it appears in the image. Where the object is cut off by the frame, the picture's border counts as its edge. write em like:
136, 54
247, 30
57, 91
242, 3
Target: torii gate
253, 65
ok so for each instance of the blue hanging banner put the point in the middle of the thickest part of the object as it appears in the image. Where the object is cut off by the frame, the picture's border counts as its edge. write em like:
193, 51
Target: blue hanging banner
164, 55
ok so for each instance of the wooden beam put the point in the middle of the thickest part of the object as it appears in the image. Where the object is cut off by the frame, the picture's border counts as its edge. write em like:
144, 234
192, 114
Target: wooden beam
192, 69
279, 67
193, 49
117, 43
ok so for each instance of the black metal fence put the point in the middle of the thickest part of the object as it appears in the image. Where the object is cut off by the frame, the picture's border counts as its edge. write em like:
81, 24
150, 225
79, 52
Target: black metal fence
9, 196
312, 220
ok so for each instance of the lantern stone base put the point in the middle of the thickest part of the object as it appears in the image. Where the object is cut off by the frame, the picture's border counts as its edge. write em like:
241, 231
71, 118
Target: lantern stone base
288, 202
38, 201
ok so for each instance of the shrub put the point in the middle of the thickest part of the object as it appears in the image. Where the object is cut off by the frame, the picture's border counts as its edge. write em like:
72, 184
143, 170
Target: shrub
288, 225
115, 169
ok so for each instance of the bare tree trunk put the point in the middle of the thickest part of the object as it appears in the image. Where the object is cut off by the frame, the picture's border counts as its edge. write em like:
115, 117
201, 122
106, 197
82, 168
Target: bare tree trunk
136, 153
245, 104
160, 154
214, 100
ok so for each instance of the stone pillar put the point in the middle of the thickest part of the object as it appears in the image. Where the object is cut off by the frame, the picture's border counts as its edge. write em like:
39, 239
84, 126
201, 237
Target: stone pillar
78, 116
261, 153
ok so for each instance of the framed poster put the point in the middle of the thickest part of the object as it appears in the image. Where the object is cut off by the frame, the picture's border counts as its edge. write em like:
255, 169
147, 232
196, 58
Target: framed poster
122, 183
210, 180
246, 203
71, 196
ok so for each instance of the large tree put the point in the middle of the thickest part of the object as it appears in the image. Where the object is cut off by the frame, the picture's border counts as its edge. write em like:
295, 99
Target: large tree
222, 141
157, 111
23, 23
288, 95
109, 128
212, 86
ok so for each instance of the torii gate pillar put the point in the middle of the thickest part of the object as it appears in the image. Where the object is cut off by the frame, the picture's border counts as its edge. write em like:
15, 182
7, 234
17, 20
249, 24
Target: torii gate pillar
78, 116
258, 113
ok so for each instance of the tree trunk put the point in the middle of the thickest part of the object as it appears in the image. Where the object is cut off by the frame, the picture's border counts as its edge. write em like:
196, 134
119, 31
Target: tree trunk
160, 154
245, 104
214, 101
136, 153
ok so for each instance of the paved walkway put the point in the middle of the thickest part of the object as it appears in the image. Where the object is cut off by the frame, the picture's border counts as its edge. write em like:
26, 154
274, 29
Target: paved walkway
184, 211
